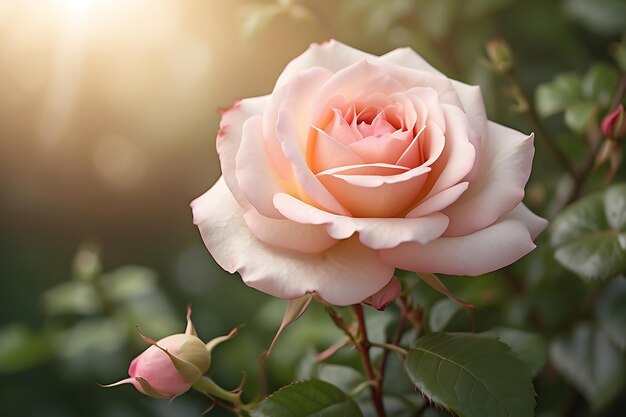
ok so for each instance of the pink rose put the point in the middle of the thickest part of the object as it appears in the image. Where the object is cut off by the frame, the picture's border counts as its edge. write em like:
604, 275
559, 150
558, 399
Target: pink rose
356, 165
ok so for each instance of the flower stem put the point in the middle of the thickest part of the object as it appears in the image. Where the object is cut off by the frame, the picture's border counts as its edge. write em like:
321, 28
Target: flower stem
362, 346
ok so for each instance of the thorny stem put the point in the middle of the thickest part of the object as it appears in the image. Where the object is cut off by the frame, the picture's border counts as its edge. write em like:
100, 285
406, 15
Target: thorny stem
530, 111
404, 312
363, 346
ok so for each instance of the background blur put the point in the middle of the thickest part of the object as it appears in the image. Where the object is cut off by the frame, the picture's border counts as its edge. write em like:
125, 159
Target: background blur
108, 114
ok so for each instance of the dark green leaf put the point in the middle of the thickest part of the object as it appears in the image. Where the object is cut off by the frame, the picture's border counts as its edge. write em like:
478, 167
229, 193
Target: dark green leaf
590, 235
588, 359
579, 116
307, 399
471, 375
611, 312
600, 83
344, 377
531, 348
555, 96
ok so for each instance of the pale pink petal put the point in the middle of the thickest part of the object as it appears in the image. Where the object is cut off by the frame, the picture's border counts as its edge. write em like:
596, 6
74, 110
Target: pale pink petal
473, 105
486, 250
287, 234
346, 274
256, 179
386, 148
457, 158
409, 58
506, 161
229, 139
370, 194
439, 201
325, 152
331, 55
425, 149
375, 233
310, 185
299, 92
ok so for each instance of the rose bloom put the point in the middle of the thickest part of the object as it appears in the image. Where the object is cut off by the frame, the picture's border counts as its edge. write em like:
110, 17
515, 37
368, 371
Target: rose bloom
356, 165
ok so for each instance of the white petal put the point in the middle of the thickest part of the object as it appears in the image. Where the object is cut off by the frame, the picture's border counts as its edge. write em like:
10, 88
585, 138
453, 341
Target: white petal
346, 274
486, 250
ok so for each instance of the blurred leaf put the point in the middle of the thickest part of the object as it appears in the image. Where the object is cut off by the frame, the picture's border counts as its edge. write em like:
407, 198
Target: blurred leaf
90, 336
255, 17
555, 96
590, 235
579, 116
21, 348
588, 359
129, 282
441, 313
611, 312
530, 348
601, 16
600, 83
73, 298
343, 377
471, 375
480, 8
307, 398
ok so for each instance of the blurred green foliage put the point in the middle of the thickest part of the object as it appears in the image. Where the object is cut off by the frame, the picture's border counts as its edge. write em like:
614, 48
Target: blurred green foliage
69, 312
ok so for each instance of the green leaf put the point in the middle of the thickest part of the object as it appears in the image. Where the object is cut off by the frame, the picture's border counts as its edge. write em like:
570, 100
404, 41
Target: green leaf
441, 313
590, 235
531, 348
579, 116
601, 16
344, 377
307, 398
555, 96
588, 359
21, 348
611, 312
600, 83
72, 298
471, 375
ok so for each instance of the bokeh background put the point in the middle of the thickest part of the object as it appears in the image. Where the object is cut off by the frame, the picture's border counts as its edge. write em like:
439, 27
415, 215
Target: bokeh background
108, 114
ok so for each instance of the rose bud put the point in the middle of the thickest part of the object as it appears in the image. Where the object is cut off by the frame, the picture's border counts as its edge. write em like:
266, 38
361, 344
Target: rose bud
613, 125
500, 55
171, 365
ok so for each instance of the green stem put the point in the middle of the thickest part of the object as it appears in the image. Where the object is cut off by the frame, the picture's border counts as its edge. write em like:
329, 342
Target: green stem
208, 387
389, 346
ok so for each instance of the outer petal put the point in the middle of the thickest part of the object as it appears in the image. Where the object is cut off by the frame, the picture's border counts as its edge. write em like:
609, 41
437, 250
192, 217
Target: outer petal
287, 234
506, 162
373, 232
229, 139
331, 55
484, 251
346, 274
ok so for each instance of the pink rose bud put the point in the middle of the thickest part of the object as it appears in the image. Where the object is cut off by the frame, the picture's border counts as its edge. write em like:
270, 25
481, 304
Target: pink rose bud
387, 294
613, 125
171, 365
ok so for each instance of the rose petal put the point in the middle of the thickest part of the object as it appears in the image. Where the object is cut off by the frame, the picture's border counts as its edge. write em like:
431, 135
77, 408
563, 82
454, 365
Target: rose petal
326, 152
409, 58
287, 234
457, 158
346, 274
331, 55
486, 250
373, 232
371, 194
254, 173
299, 92
229, 139
506, 162
439, 201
